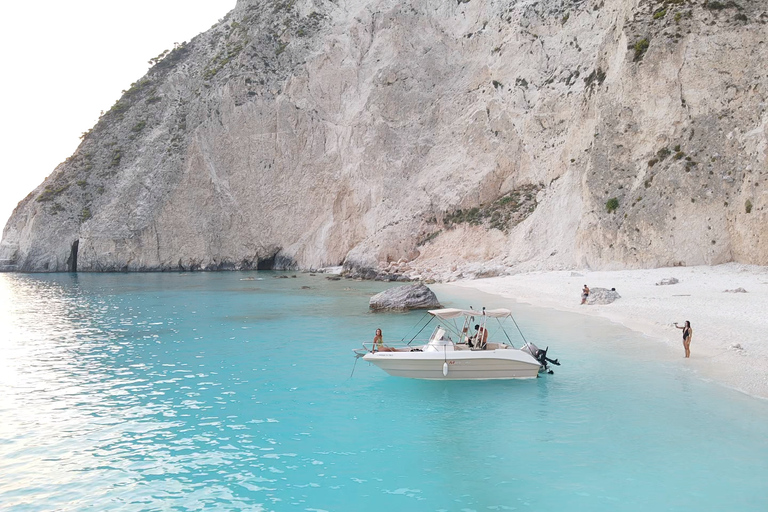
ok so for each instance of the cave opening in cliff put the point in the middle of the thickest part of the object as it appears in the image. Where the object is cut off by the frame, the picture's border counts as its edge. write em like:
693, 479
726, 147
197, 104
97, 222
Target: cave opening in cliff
72, 261
266, 264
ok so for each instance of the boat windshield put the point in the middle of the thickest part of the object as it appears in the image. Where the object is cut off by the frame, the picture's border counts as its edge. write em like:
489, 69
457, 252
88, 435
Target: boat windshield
440, 337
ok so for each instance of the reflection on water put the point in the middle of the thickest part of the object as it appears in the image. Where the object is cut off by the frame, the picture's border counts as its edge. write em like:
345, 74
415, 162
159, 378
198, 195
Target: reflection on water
200, 391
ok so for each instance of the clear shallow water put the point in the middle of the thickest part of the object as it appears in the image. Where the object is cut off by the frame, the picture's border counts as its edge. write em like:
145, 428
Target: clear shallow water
205, 392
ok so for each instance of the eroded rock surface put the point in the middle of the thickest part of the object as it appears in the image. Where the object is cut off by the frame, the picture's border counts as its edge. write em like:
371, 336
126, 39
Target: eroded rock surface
404, 298
600, 296
465, 138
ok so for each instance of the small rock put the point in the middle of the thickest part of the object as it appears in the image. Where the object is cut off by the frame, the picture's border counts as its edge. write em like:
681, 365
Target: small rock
305, 287
576, 274
667, 280
333, 278
737, 290
404, 298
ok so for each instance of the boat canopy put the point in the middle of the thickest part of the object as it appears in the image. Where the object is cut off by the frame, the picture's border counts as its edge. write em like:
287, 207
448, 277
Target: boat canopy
449, 313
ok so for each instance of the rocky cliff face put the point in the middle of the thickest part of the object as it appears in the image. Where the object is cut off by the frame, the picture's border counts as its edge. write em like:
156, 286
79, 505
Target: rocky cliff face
468, 136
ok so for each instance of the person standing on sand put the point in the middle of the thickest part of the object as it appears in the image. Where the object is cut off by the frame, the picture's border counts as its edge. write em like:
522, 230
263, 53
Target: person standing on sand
584, 294
687, 335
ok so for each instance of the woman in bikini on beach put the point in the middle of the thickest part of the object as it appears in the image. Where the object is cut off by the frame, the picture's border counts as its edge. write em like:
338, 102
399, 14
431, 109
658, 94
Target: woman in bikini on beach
687, 335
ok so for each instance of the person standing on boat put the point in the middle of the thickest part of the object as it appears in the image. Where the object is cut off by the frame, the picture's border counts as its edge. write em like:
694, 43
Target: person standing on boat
584, 294
687, 335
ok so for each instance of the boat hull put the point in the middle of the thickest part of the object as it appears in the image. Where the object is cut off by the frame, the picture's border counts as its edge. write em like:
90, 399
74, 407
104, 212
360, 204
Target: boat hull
457, 365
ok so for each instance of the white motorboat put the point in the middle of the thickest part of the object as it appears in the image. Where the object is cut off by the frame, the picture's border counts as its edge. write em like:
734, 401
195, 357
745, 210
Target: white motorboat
454, 352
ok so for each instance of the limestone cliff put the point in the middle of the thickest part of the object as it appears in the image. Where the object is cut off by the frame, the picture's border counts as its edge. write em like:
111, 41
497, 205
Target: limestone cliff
467, 136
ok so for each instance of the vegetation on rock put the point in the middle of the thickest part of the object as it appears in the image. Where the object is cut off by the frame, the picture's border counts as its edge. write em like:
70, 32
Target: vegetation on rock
640, 48
503, 214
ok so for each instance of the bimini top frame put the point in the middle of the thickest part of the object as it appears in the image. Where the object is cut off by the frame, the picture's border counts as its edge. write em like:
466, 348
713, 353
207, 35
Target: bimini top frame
449, 313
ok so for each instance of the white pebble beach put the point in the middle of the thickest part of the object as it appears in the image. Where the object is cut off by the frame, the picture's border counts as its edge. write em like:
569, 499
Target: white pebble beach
730, 328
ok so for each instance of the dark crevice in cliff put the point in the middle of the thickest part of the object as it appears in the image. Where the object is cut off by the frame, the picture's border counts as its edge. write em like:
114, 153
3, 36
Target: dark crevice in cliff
72, 260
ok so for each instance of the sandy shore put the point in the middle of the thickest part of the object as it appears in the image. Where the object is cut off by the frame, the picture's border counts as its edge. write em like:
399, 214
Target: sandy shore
730, 340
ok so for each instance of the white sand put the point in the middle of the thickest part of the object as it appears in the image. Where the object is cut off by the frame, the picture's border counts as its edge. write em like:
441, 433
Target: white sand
730, 330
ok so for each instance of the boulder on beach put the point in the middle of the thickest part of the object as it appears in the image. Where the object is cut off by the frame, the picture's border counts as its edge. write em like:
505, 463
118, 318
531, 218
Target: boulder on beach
667, 281
599, 296
404, 298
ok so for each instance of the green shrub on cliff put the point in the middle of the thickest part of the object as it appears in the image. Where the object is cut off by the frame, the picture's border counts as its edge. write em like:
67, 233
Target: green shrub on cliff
50, 192
503, 213
640, 48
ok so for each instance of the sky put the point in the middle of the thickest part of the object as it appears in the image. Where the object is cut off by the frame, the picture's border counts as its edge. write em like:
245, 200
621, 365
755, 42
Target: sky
64, 62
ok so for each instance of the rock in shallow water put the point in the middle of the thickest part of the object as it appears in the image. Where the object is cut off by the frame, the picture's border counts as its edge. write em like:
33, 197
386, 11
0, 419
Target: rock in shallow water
404, 298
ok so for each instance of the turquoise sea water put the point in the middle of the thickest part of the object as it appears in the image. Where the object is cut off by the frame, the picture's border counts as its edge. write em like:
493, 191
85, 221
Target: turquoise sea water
204, 391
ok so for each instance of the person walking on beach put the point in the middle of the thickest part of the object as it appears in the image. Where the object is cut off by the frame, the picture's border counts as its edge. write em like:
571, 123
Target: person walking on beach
687, 335
584, 294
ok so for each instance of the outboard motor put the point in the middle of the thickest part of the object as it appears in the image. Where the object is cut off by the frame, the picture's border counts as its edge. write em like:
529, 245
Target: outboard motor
541, 357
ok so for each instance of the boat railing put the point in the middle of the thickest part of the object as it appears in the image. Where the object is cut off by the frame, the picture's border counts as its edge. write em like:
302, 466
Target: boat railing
419, 345
393, 346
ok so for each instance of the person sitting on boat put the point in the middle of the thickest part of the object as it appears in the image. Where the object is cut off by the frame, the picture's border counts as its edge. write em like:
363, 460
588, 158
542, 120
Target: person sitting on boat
471, 338
480, 338
483, 337
378, 343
